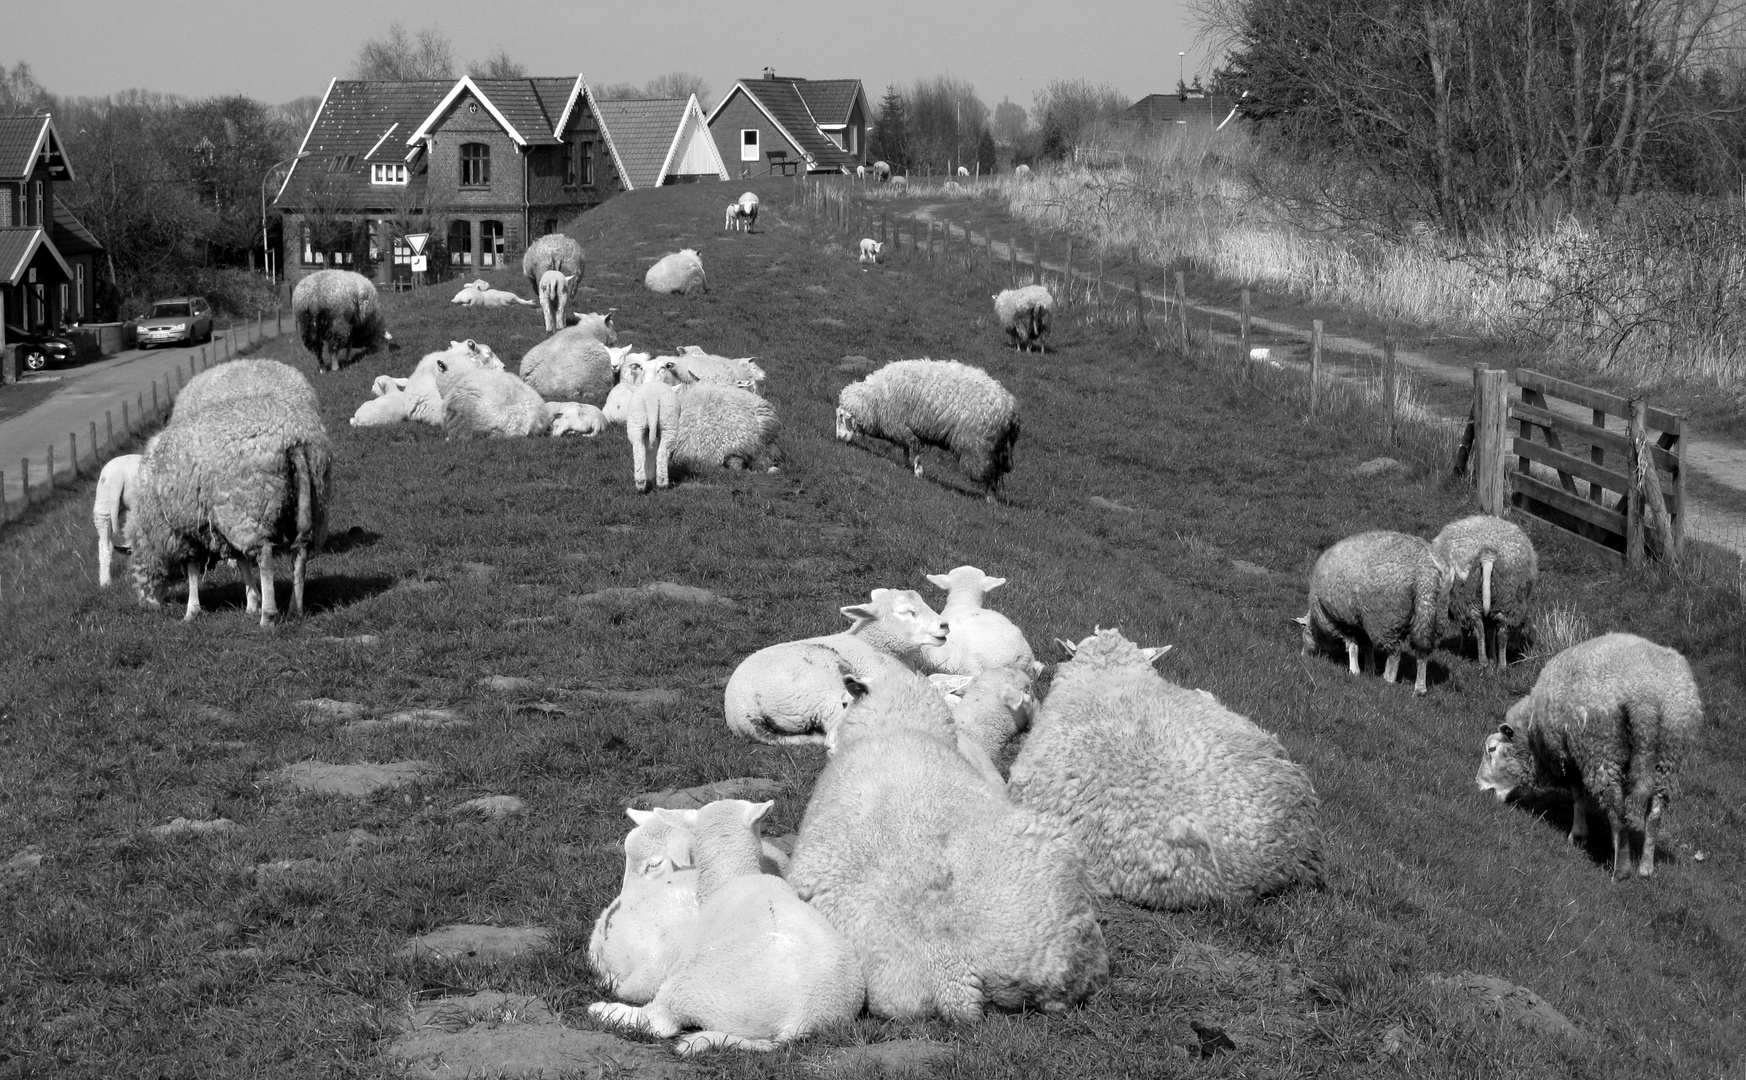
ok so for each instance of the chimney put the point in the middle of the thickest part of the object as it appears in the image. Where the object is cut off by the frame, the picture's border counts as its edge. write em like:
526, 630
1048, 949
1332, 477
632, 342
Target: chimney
770, 73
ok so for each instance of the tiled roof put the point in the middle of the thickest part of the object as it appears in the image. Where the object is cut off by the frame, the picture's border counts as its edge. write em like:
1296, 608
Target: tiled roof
782, 101
532, 113
1210, 111
18, 135
642, 130
829, 99
18, 246
70, 234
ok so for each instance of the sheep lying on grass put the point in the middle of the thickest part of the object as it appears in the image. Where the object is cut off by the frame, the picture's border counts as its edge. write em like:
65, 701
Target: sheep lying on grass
465, 296
698, 425
483, 403
1500, 569
571, 365
942, 403
695, 365
978, 639
245, 477
1022, 172
759, 967
481, 294
1385, 588
116, 491
989, 712
680, 272
1024, 314
787, 693
1610, 720
418, 397
595, 324
338, 316
870, 249
1176, 800
954, 898
553, 252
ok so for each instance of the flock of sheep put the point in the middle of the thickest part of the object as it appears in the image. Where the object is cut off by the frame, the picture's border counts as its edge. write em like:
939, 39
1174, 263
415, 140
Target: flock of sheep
923, 881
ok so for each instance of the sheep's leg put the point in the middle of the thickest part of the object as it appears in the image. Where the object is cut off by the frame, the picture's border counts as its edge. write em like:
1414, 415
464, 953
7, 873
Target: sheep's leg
1651, 823
663, 458
700, 1041
1423, 664
639, 461
1622, 867
1352, 656
298, 568
1578, 817
1502, 652
192, 566
1479, 644
1391, 669
105, 551
650, 1018
251, 584
269, 602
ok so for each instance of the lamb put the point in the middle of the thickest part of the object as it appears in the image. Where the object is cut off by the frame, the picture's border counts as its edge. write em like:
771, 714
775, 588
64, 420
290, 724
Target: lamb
117, 487
978, 639
1024, 314
390, 408
860, 172
337, 312
700, 425
1610, 719
465, 296
1386, 588
680, 272
741, 216
788, 693
882, 170
963, 171
480, 294
1496, 599
244, 480
483, 403
870, 249
954, 898
424, 398
1175, 800
990, 712
699, 366
570, 365
942, 403
1022, 172
595, 324
553, 252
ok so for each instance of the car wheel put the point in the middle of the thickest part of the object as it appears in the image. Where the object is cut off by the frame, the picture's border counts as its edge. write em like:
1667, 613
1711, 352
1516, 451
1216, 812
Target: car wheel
35, 360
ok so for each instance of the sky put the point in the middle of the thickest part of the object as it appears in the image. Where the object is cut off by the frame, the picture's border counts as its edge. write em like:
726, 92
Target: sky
277, 52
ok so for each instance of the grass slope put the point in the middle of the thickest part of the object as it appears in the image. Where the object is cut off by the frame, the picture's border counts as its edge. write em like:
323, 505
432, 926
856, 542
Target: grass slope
119, 954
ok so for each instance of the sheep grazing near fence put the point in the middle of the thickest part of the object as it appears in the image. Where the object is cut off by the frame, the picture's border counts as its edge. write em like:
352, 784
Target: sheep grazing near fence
338, 316
870, 249
1024, 314
881, 171
116, 486
1501, 570
1387, 589
554, 251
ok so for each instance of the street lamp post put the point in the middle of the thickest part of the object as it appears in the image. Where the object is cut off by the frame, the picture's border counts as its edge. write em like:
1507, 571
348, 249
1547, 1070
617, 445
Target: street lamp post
266, 252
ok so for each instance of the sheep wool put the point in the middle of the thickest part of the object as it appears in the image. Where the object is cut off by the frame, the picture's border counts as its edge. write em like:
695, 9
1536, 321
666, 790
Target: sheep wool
424, 397
697, 425
680, 272
245, 377
940, 403
596, 325
338, 315
1385, 588
978, 639
111, 509
1024, 314
696, 365
992, 710
1611, 720
554, 254
481, 403
390, 408
1176, 801
1501, 569
570, 365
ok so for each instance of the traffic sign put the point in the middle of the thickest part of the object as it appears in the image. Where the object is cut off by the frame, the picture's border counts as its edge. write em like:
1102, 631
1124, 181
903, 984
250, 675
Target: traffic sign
416, 242
419, 263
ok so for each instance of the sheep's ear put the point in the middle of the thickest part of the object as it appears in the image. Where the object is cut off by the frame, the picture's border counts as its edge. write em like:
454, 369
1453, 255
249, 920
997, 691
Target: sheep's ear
1506, 731
752, 812
854, 687
1036, 668
859, 615
1071, 648
641, 817
1301, 620
679, 848
940, 581
1153, 654
442, 365
472, 346
989, 584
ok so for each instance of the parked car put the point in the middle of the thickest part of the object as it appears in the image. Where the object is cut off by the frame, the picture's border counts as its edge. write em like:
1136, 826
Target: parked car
176, 319
38, 350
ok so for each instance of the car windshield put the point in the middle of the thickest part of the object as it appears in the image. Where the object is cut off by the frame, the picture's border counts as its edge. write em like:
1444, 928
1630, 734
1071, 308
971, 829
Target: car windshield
165, 311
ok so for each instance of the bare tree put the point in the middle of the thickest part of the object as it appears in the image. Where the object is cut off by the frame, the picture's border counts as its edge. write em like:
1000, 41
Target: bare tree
618, 91
1010, 121
945, 119
497, 66
1066, 109
676, 84
20, 93
399, 54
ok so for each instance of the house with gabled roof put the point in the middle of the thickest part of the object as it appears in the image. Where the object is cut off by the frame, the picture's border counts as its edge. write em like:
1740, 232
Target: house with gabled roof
47, 257
656, 141
1192, 110
784, 124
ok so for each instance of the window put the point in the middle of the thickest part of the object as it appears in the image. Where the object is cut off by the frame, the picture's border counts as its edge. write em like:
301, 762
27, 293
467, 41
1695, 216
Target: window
342, 163
551, 226
475, 165
491, 243
36, 203
7, 216
748, 144
310, 257
387, 174
572, 164
460, 243
65, 307
79, 282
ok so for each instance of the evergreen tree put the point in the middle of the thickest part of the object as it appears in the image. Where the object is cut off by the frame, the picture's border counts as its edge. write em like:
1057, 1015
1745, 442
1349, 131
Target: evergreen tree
985, 152
890, 141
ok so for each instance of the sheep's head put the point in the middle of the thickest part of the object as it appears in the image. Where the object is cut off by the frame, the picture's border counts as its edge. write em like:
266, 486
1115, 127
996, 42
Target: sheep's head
902, 617
1507, 763
966, 577
667, 370
633, 366
846, 428
660, 843
1108, 648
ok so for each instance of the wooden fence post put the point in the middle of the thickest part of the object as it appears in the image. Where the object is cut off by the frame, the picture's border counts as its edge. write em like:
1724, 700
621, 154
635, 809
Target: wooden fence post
73, 453
95, 454
1182, 310
1315, 363
1491, 412
24, 475
1139, 305
139, 405
126, 424
1012, 262
1389, 377
1243, 343
154, 398
109, 428
1679, 455
1067, 272
51, 466
1634, 470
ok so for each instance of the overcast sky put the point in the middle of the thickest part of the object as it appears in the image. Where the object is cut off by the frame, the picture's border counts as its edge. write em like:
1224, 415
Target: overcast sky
279, 51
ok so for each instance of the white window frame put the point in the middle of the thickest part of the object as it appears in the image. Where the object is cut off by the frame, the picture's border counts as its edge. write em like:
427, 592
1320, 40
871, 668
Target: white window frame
79, 281
388, 173
749, 149
64, 299
36, 201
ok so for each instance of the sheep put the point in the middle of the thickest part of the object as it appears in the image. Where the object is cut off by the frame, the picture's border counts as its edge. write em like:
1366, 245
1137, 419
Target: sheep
485, 403
942, 403
978, 639
474, 296
870, 249
860, 172
698, 424
900, 181
337, 312
599, 325
569, 417
1611, 720
759, 967
882, 171
1496, 599
993, 708
699, 366
951, 185
570, 365
116, 490
1022, 172
553, 251
424, 399
387, 384
465, 296
1386, 588
680, 272
246, 377
243, 480
963, 171
390, 408
787, 693
954, 898
741, 215
1176, 801
1024, 314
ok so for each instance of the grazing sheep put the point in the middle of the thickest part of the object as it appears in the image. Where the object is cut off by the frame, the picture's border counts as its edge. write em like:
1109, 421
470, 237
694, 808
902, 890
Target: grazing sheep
870, 249
553, 251
963, 171
860, 172
1495, 599
954, 898
882, 171
595, 323
942, 403
740, 216
1176, 800
1022, 172
555, 289
245, 480
680, 272
1611, 720
978, 639
245, 377
337, 313
1024, 314
571, 365
759, 967
788, 693
699, 425
1385, 588
900, 181
116, 487
484, 403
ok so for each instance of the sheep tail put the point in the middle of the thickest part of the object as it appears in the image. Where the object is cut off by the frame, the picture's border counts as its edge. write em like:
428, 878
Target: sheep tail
1485, 586
305, 494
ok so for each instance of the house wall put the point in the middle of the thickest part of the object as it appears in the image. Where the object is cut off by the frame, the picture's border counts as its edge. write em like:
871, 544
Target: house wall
738, 114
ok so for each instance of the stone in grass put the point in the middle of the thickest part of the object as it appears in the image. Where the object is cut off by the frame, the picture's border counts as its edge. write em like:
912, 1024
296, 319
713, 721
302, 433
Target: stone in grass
513, 1036
24, 861
264, 870
507, 684
750, 788
493, 806
1109, 504
1244, 566
409, 720
855, 364
355, 639
648, 697
356, 781
332, 709
469, 942
185, 827
1378, 467
1512, 1002
899, 1057
662, 590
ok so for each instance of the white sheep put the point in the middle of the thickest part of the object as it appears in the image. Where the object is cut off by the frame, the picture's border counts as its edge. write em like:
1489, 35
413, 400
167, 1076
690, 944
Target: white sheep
941, 403
424, 400
1385, 588
116, 488
1610, 720
337, 312
963, 171
485, 403
870, 249
978, 639
900, 181
1024, 314
759, 967
245, 477
989, 711
1500, 571
217, 385
954, 898
749, 209
1176, 800
699, 425
553, 251
951, 185
680, 272
387, 384
860, 172
882, 171
464, 297
1022, 172
788, 693
696, 365
570, 365
741, 216
476, 296
555, 289
599, 325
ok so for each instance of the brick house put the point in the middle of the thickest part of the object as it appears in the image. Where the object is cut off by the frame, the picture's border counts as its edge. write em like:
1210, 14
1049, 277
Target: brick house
788, 124
47, 258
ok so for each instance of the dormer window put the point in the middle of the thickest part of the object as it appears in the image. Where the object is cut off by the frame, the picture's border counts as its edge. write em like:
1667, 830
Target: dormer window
475, 165
389, 173
342, 163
